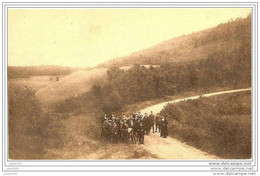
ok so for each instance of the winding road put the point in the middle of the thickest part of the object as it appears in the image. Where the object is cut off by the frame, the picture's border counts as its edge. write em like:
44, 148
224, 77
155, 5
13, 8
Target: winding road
171, 148
154, 146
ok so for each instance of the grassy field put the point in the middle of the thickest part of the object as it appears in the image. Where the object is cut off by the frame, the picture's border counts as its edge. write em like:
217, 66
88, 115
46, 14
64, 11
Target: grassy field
220, 125
71, 85
35, 82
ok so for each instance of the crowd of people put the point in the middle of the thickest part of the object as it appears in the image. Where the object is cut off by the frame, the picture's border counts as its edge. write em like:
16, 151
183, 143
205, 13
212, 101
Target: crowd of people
134, 127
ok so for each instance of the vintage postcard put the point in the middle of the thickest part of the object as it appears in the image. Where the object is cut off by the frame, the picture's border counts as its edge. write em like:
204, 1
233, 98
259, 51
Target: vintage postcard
129, 84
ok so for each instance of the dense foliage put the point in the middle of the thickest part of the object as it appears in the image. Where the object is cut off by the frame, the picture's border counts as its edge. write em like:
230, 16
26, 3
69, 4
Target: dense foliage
30, 128
24, 124
220, 125
138, 84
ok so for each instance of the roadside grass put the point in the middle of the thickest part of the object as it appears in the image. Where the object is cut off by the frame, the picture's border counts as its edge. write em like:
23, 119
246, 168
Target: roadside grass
85, 142
220, 125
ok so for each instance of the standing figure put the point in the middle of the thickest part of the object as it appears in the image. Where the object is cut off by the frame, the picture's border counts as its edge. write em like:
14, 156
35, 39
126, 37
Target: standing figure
163, 127
140, 133
135, 125
158, 122
145, 121
116, 120
152, 120
124, 131
131, 130
139, 115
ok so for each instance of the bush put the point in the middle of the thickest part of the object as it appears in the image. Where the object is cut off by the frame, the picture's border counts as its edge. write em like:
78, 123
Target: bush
31, 129
25, 128
220, 125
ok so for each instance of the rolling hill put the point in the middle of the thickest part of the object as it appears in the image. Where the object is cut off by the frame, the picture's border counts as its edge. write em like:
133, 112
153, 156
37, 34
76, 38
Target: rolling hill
74, 84
71, 85
229, 45
192, 47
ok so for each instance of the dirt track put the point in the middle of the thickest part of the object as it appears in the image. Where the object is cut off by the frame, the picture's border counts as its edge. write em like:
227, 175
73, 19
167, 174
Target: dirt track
158, 107
170, 148
155, 147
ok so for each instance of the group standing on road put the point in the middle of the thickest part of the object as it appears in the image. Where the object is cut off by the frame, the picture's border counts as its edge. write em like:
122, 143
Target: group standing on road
133, 128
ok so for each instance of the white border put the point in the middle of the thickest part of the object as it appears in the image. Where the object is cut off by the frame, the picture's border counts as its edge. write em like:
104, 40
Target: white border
127, 165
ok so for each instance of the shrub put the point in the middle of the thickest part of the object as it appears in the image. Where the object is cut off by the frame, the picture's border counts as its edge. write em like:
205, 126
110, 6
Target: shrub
31, 129
25, 128
220, 125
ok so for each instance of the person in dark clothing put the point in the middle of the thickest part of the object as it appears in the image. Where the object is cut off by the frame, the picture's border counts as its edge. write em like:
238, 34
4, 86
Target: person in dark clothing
152, 120
146, 124
135, 125
140, 133
163, 127
158, 122
124, 131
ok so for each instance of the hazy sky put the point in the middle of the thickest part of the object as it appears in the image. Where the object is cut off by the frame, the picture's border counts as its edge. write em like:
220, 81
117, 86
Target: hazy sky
87, 37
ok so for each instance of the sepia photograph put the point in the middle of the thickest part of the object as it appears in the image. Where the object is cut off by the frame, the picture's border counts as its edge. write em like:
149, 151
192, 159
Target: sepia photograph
129, 83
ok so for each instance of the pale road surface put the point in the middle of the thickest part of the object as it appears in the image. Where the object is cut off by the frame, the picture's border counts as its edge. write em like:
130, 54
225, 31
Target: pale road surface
158, 107
169, 148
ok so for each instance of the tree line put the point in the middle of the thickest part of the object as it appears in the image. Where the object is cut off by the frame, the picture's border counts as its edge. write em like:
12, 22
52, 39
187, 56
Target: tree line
138, 84
27, 71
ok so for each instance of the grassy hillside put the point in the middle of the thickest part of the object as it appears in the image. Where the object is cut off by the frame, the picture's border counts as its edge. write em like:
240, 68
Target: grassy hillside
219, 56
225, 38
219, 125
35, 82
71, 85
67, 86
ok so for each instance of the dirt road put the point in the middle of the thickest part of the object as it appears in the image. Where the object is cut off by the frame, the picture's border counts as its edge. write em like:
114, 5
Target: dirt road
158, 107
155, 147
170, 148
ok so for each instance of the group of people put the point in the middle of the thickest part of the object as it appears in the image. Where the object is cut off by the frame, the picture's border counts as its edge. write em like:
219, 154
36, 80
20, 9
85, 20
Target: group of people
134, 127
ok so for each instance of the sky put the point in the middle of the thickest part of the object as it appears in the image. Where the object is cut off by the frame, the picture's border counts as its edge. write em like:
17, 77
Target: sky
88, 37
